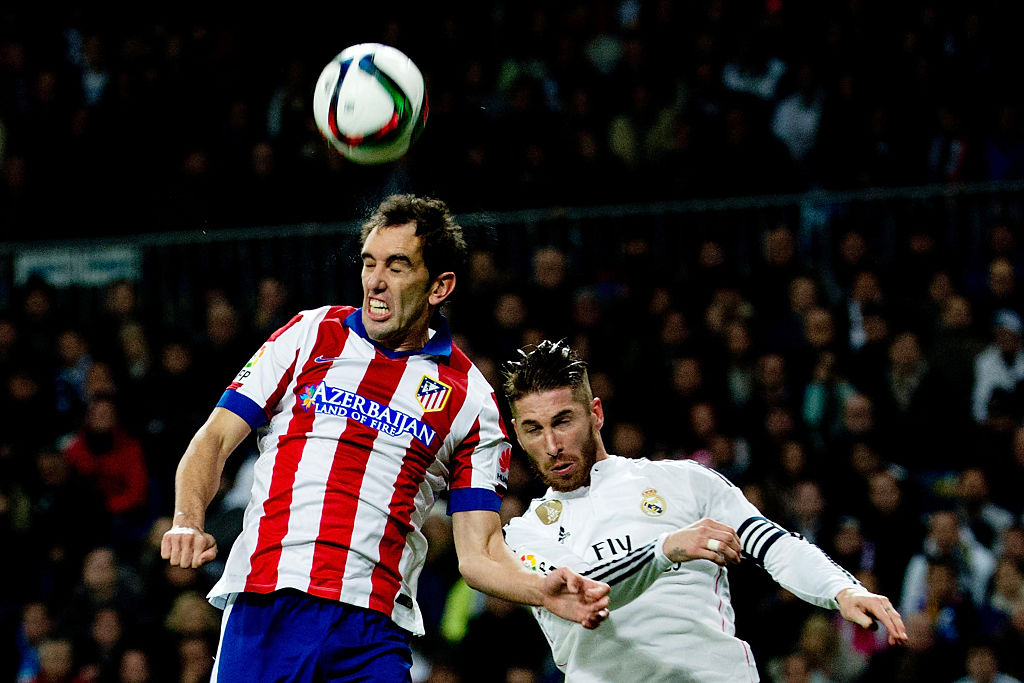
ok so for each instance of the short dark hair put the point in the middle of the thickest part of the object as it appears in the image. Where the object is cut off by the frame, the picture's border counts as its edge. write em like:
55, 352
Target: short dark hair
444, 248
548, 365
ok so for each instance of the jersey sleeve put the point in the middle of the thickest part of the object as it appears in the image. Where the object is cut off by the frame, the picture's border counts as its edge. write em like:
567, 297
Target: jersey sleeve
261, 383
627, 576
480, 462
797, 565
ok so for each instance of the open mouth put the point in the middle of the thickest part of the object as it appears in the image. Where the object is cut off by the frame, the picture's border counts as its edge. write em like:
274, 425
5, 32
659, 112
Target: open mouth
377, 309
563, 468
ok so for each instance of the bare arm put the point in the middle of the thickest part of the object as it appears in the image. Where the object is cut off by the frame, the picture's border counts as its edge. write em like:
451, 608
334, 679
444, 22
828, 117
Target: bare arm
488, 565
195, 485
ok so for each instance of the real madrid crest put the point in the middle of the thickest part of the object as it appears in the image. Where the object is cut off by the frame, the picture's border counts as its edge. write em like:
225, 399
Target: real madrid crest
652, 504
550, 511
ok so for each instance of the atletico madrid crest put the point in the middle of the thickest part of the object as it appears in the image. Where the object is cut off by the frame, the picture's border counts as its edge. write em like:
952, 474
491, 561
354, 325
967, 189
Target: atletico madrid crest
432, 394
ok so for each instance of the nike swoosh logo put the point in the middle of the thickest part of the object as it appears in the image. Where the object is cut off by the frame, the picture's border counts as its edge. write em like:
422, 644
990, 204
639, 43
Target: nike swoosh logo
321, 359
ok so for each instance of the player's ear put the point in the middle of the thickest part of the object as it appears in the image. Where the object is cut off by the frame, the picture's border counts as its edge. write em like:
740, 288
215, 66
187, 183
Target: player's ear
597, 410
441, 288
515, 428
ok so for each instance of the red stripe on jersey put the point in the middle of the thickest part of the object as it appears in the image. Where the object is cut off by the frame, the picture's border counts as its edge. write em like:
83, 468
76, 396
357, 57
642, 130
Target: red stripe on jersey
284, 328
345, 480
462, 458
233, 386
386, 577
273, 525
459, 361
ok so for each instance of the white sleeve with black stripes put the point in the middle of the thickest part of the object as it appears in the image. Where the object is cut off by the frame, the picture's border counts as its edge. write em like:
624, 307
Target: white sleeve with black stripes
794, 563
627, 575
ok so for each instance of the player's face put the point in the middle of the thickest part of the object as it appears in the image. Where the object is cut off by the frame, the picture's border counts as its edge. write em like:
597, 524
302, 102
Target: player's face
398, 292
560, 434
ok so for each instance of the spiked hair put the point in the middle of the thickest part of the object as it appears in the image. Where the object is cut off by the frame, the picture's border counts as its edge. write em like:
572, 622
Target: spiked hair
548, 365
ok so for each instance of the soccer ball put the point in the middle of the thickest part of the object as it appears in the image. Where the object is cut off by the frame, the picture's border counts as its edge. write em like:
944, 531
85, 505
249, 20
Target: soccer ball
370, 103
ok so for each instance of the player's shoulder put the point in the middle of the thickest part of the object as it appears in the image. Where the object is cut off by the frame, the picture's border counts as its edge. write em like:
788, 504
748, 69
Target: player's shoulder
306, 323
670, 468
459, 363
312, 316
333, 312
536, 517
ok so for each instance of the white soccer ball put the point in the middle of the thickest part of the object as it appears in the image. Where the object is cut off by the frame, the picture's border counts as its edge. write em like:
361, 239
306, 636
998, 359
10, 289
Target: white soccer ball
370, 103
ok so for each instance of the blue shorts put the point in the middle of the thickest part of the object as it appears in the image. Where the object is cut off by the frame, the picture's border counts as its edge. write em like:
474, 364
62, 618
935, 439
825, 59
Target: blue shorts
291, 636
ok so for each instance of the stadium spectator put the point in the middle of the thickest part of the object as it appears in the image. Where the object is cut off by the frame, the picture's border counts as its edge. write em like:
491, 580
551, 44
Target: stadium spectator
952, 545
111, 460
998, 369
983, 667
986, 520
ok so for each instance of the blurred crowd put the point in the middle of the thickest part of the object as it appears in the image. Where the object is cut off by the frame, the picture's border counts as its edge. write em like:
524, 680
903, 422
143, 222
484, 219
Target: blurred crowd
153, 121
873, 406
884, 422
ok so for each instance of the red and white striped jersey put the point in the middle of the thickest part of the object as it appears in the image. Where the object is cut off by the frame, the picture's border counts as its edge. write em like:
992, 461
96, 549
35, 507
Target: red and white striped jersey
356, 442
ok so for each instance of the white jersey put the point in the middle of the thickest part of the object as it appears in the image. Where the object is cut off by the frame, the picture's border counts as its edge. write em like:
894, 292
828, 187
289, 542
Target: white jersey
669, 622
355, 445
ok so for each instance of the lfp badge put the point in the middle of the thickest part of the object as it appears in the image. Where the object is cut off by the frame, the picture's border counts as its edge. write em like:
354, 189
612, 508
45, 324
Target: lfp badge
432, 394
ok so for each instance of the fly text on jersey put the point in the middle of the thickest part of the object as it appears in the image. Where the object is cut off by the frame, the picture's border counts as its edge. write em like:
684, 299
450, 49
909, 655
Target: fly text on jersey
612, 546
328, 400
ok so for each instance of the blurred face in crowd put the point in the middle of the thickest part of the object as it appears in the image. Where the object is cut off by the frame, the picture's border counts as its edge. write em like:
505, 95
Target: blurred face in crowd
905, 352
944, 530
771, 370
803, 295
549, 268
560, 431
121, 298
884, 492
134, 667
56, 659
857, 414
1007, 340
1000, 277
101, 416
853, 248
686, 375
973, 486
71, 347
737, 339
99, 569
778, 246
982, 664
818, 327
398, 293
956, 313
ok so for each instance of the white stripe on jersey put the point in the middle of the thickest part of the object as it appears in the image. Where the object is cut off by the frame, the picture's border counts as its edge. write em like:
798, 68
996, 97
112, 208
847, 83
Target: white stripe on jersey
375, 497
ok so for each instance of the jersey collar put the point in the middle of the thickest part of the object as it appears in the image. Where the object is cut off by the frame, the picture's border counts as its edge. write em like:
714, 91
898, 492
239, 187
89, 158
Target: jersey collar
439, 344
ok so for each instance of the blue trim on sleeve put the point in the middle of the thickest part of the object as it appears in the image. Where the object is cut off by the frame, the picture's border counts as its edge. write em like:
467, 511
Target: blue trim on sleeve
244, 407
461, 500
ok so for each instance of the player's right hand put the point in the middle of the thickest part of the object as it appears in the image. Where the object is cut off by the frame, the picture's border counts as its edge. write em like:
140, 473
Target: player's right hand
704, 540
576, 598
187, 547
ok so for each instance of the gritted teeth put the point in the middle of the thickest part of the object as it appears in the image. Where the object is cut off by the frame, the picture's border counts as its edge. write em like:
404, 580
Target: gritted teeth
378, 306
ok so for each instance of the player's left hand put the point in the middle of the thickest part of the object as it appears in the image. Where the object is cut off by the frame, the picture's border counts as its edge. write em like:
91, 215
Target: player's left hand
865, 608
573, 597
